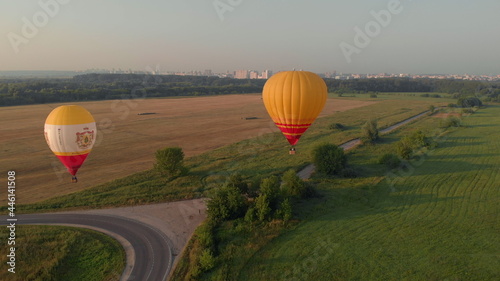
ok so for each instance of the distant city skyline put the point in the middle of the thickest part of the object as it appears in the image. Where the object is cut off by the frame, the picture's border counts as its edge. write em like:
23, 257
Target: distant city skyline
365, 36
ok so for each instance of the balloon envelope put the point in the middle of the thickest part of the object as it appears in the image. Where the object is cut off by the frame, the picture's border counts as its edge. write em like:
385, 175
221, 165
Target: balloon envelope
294, 99
70, 132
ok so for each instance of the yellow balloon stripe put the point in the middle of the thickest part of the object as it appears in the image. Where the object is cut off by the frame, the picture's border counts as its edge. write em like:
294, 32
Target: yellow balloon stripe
72, 153
69, 115
293, 126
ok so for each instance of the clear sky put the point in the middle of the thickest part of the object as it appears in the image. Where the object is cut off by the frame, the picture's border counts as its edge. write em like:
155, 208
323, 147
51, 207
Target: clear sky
426, 36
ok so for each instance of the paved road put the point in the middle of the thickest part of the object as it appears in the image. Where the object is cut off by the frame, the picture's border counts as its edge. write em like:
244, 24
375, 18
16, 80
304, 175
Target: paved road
153, 258
309, 169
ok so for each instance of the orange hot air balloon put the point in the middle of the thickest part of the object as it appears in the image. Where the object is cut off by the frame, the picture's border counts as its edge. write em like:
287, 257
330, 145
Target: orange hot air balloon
70, 132
294, 99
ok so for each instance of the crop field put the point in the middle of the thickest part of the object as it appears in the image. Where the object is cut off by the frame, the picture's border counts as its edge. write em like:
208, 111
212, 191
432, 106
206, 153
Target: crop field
126, 141
434, 219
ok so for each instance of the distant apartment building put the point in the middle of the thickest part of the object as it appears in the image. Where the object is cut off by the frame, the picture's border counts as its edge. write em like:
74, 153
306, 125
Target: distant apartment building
241, 74
266, 74
253, 75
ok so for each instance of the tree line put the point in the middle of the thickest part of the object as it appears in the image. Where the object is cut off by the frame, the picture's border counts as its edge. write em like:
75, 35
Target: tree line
118, 86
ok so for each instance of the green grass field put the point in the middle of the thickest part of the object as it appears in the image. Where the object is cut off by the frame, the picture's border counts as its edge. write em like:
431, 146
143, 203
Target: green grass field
438, 221
63, 253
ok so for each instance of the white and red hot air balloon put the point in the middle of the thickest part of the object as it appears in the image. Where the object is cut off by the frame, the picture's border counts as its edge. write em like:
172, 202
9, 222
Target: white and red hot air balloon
70, 132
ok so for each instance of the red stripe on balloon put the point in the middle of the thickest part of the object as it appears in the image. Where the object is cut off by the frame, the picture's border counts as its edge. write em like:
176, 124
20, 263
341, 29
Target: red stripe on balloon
292, 139
73, 163
293, 132
292, 125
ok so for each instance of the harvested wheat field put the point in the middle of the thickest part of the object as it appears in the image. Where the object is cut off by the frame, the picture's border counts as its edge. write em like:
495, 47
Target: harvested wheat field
127, 138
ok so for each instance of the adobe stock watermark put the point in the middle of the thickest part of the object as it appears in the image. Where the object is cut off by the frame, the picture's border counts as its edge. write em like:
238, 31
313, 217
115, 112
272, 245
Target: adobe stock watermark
223, 6
323, 251
363, 37
48, 9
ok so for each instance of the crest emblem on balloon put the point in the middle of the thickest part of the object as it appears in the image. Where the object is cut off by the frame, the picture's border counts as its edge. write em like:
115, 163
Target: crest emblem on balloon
85, 139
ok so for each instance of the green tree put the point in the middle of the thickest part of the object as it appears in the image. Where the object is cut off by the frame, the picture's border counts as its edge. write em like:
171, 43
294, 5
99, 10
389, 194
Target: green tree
270, 187
285, 211
469, 102
250, 215
404, 148
293, 185
237, 181
169, 161
226, 203
207, 260
370, 131
452, 121
432, 108
329, 159
262, 207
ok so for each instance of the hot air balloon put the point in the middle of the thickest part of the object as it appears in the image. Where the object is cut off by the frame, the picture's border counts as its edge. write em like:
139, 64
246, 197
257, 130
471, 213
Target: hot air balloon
70, 132
294, 99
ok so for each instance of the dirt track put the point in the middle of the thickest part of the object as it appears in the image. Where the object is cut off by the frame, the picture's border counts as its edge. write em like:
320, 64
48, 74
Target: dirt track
309, 169
126, 141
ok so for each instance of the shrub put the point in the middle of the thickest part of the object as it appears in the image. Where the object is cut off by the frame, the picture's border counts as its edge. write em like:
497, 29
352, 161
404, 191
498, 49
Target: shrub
370, 131
285, 211
270, 187
468, 110
262, 207
236, 180
293, 185
337, 127
452, 121
250, 216
226, 203
205, 235
452, 105
373, 96
469, 102
329, 159
169, 161
390, 160
207, 260
404, 148
432, 108
408, 144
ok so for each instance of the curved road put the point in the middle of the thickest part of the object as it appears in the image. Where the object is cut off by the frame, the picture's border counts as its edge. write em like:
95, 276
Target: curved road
153, 258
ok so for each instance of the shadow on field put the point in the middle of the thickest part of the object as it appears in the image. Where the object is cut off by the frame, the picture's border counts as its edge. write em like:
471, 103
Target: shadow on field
353, 203
460, 141
485, 125
408, 200
458, 156
452, 166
